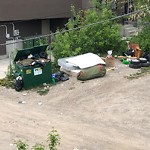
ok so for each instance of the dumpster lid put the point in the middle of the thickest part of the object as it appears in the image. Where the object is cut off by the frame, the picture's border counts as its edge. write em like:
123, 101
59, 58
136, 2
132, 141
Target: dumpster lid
24, 53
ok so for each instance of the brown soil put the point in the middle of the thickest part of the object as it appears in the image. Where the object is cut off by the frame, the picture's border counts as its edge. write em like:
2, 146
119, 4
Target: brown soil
109, 113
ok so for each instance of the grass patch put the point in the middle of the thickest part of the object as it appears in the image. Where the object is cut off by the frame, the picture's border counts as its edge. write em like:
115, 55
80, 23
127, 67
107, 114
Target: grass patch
43, 91
7, 82
143, 71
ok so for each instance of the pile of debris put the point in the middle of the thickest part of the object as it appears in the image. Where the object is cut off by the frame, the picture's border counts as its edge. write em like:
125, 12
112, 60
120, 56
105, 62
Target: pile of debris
84, 67
32, 60
134, 57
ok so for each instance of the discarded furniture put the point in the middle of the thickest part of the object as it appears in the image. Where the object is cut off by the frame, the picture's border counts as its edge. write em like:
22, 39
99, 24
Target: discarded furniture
74, 65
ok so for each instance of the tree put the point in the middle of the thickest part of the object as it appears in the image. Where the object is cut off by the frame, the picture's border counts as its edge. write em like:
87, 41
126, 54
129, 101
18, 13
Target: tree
143, 36
87, 31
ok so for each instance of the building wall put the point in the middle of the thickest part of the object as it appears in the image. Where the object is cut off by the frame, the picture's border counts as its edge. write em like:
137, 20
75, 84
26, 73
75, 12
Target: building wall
2, 40
86, 4
29, 28
57, 23
26, 29
11, 10
35, 17
13, 47
46, 26
35, 11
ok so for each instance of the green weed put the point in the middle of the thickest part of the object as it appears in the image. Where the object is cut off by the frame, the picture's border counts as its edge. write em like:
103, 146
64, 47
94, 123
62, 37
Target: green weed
53, 139
143, 71
38, 147
21, 145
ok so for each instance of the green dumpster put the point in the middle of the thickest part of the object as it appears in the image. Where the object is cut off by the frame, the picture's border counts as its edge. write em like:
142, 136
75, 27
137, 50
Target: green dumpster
32, 68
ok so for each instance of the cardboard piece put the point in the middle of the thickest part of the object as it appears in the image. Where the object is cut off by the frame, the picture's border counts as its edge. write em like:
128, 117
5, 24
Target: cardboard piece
110, 61
136, 48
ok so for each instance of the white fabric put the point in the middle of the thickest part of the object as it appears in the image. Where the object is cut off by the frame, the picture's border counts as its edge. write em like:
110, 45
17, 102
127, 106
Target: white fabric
85, 60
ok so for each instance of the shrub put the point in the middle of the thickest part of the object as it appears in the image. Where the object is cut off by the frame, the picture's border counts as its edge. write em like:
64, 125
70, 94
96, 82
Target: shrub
83, 36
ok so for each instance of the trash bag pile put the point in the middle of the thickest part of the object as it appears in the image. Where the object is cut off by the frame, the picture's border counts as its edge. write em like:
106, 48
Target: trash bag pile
92, 72
60, 76
31, 60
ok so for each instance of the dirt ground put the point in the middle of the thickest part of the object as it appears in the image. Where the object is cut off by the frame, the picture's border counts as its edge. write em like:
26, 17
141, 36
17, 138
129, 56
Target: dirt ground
109, 113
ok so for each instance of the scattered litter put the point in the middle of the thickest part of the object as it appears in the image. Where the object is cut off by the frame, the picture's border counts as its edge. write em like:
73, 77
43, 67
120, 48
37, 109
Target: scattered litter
109, 69
60, 76
39, 103
11, 144
24, 94
44, 84
43, 91
22, 102
75, 149
126, 62
45, 88
30, 56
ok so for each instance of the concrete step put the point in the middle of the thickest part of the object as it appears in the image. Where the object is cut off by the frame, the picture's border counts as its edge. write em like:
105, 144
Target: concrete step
129, 30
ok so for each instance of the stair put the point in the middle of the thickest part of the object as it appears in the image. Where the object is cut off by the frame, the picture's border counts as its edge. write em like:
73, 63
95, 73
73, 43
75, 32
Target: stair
128, 30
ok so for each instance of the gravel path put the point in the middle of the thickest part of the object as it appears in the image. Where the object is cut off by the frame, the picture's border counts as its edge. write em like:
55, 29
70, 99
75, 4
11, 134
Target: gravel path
109, 113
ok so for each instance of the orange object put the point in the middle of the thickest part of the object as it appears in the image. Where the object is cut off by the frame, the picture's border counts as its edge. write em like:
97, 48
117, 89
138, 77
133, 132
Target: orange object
136, 48
137, 53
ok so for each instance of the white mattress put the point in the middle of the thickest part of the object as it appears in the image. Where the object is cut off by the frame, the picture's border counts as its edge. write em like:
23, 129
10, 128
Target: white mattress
80, 61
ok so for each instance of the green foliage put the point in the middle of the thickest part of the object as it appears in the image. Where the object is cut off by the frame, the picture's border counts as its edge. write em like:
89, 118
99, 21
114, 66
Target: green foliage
7, 82
141, 3
21, 145
38, 147
29, 43
143, 37
10, 71
41, 41
43, 91
87, 37
53, 139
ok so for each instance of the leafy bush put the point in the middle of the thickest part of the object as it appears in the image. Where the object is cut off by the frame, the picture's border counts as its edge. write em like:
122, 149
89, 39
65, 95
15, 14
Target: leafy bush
21, 145
8, 81
143, 36
53, 139
143, 39
84, 36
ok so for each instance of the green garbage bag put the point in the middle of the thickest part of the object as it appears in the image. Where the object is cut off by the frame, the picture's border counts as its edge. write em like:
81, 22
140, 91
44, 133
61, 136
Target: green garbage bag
92, 72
